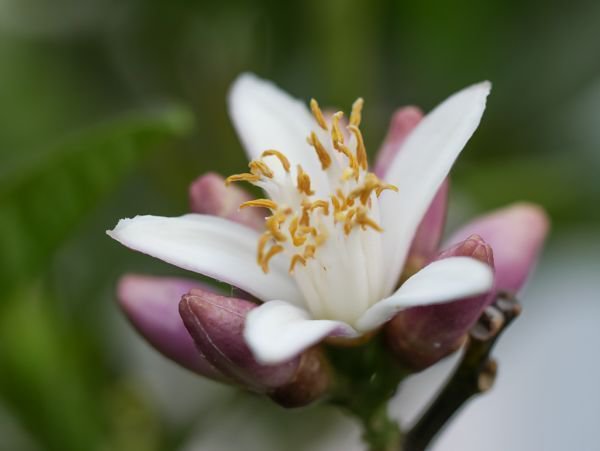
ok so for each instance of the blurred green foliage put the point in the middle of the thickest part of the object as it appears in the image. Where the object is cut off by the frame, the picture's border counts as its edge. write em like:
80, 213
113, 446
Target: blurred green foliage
110, 108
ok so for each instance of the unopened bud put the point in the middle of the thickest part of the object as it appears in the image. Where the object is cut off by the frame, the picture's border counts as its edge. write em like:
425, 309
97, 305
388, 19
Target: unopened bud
427, 237
209, 195
216, 324
150, 304
402, 123
421, 336
517, 234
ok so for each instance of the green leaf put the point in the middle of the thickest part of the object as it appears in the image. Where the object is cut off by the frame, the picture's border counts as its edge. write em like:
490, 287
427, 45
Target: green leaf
43, 198
43, 380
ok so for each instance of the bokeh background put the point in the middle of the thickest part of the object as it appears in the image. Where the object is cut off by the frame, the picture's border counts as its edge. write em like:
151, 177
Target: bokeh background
110, 108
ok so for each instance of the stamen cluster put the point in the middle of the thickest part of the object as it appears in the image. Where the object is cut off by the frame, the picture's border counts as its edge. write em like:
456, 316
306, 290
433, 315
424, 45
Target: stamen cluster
301, 222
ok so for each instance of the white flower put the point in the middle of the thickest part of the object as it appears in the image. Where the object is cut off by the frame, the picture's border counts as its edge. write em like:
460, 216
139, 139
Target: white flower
336, 242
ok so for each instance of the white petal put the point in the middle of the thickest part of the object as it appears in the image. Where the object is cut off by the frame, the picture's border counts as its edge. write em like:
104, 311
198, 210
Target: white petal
439, 282
420, 168
277, 331
215, 247
265, 117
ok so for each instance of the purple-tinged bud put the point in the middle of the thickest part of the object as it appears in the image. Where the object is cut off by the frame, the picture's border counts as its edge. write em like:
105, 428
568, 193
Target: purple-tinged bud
427, 238
402, 123
516, 233
216, 324
151, 305
209, 195
429, 233
421, 336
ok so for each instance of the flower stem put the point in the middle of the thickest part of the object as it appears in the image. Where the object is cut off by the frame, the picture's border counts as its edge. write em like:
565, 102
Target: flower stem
366, 379
380, 432
475, 373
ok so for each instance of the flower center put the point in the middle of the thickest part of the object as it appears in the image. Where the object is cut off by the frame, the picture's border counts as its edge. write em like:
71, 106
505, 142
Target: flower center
325, 229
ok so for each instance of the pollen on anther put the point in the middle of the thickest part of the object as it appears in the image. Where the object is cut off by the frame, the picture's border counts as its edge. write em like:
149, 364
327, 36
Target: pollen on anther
265, 203
361, 152
303, 181
282, 158
296, 258
245, 177
297, 239
272, 223
364, 221
276, 249
336, 134
356, 114
322, 153
257, 166
318, 114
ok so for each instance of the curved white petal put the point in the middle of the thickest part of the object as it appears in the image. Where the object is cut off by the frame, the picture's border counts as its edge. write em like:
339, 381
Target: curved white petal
439, 282
420, 168
277, 331
215, 247
265, 117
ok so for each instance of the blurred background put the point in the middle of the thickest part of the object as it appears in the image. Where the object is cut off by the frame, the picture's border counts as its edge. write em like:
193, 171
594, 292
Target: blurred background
111, 108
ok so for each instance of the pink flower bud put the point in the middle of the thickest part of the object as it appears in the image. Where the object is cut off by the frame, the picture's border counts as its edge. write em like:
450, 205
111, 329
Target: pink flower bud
428, 235
421, 336
216, 324
150, 304
209, 195
516, 233
402, 123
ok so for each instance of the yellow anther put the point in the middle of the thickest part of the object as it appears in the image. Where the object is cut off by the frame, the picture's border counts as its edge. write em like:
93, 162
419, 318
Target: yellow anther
337, 206
282, 158
272, 224
308, 229
322, 153
276, 249
385, 186
297, 240
348, 221
309, 251
303, 182
361, 151
262, 242
257, 166
320, 204
305, 218
347, 174
297, 258
245, 177
363, 193
318, 114
364, 221
350, 205
356, 114
265, 203
336, 134
340, 147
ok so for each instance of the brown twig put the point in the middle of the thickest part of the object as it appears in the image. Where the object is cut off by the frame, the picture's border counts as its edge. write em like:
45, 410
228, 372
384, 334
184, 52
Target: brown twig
475, 373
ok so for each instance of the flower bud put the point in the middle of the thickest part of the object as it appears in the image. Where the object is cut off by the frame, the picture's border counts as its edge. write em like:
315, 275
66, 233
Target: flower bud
216, 324
402, 123
150, 304
429, 233
516, 233
421, 336
427, 237
209, 195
